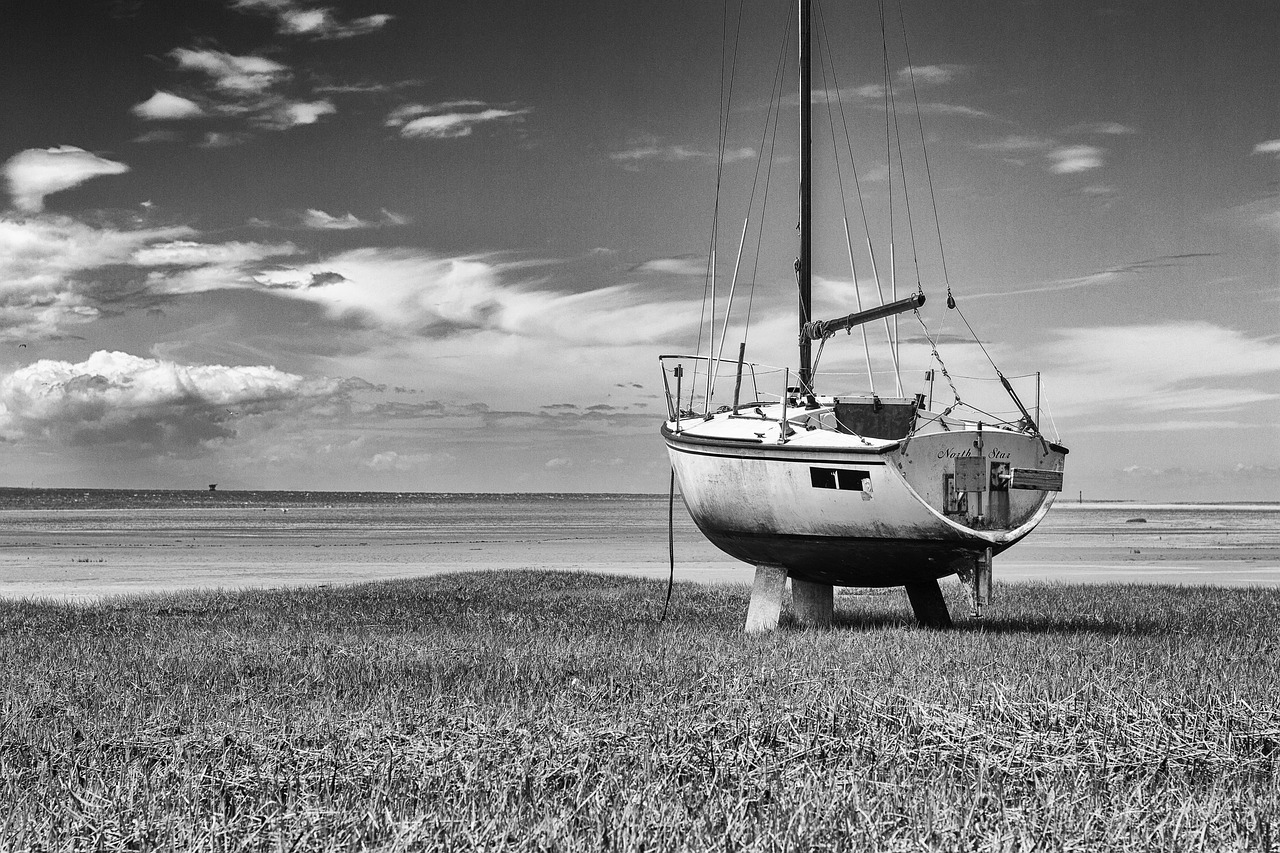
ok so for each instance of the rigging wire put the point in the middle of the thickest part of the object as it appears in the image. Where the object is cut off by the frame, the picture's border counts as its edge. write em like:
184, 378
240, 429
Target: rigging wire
737, 267
726, 99
825, 57
775, 108
924, 149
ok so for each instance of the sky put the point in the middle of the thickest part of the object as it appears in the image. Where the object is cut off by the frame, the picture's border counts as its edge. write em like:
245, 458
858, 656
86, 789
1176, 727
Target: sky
407, 246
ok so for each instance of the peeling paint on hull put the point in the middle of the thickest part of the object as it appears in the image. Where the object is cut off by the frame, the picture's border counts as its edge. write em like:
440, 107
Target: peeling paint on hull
758, 501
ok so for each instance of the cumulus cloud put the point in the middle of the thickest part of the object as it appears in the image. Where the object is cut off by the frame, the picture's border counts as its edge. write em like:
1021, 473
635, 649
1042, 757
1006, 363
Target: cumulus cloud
166, 106
296, 113
39, 172
450, 119
113, 398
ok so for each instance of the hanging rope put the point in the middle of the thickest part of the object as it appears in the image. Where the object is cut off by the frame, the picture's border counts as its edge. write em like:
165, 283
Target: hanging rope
671, 543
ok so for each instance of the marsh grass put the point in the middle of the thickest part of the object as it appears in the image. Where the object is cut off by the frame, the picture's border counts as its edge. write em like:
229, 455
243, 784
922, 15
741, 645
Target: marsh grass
523, 710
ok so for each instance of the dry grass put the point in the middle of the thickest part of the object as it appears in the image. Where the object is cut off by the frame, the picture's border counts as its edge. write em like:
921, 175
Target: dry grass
529, 711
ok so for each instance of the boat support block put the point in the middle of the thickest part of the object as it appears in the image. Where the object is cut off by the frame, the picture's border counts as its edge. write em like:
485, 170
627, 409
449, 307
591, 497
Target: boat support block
812, 603
928, 604
767, 592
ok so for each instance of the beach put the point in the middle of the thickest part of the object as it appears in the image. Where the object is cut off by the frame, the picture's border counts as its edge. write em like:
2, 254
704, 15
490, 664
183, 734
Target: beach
81, 545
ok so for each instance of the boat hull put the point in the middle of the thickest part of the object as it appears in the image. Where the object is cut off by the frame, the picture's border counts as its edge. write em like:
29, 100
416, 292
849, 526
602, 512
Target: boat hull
851, 516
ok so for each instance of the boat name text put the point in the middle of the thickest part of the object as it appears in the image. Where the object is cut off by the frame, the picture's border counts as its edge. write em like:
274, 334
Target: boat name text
952, 453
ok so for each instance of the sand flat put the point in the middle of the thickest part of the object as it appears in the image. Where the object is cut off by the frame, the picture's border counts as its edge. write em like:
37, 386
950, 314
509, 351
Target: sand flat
85, 554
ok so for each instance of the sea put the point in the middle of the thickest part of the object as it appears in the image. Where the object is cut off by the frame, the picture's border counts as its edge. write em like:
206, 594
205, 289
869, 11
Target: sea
84, 544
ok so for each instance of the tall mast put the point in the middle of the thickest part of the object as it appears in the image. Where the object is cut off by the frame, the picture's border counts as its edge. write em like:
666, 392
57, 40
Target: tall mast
804, 276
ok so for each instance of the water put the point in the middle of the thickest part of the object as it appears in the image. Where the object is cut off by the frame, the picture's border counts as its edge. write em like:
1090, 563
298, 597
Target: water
79, 544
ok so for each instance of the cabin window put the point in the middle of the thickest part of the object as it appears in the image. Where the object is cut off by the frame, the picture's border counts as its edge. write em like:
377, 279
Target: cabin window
838, 478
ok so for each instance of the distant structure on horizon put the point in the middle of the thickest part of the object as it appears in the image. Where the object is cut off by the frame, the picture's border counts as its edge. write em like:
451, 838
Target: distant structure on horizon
213, 487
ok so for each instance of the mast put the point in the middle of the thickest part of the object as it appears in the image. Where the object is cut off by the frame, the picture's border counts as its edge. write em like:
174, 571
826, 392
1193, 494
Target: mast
804, 275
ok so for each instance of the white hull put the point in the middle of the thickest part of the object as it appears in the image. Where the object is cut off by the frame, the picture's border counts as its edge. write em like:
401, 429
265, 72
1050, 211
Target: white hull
832, 507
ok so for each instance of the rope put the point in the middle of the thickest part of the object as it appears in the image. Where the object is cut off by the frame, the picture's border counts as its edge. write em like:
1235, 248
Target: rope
933, 345
671, 543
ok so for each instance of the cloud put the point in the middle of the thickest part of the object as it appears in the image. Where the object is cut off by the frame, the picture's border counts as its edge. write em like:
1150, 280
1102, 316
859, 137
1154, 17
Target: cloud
930, 75
189, 253
1070, 159
1063, 159
1113, 275
687, 265
316, 22
1102, 128
38, 172
425, 295
652, 150
1148, 371
56, 273
449, 120
144, 405
217, 139
236, 74
320, 220
304, 112
1271, 146
1016, 144
165, 106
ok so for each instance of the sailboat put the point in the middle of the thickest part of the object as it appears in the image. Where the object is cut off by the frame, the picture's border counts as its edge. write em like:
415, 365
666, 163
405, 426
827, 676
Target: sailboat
849, 487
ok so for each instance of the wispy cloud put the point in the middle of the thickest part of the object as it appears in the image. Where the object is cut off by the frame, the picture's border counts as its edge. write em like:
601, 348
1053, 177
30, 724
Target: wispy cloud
39, 172
450, 119
685, 265
1271, 146
1117, 373
236, 74
1101, 128
320, 220
262, 92
1113, 275
1062, 158
57, 273
653, 149
931, 75
312, 21
412, 293
1070, 159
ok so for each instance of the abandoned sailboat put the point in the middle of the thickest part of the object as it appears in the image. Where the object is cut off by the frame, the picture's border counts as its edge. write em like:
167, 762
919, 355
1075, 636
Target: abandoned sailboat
850, 489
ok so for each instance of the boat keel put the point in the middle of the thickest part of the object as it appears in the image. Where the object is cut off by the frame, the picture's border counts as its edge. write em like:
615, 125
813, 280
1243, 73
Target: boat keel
928, 604
812, 603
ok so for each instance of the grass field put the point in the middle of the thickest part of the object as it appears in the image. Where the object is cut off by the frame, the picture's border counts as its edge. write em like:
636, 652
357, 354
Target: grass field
529, 711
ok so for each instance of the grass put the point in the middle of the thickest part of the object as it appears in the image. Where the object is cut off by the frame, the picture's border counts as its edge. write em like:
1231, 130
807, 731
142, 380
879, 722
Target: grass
532, 711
